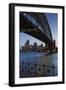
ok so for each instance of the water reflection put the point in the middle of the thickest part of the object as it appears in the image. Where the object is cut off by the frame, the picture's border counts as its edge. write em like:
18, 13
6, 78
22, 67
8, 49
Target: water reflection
38, 64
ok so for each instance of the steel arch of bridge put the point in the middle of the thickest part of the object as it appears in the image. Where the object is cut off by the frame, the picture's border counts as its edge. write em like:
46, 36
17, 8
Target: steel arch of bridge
36, 25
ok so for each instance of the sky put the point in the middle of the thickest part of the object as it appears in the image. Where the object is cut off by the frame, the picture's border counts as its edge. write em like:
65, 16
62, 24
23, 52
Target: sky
53, 23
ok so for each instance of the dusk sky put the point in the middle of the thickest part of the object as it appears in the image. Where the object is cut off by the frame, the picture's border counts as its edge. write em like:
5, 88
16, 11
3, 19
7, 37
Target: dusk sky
53, 22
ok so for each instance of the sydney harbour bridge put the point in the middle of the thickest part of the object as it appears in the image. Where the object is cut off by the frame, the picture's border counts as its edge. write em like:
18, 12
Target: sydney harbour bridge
36, 25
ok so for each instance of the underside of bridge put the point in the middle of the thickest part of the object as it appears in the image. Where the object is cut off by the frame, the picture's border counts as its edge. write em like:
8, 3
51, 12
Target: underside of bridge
36, 25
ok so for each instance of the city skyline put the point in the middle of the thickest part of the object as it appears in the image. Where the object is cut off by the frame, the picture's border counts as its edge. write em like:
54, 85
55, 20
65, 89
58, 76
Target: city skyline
52, 20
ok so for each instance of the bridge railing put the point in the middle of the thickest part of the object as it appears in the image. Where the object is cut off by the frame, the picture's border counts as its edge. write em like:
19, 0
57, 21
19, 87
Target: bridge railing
29, 70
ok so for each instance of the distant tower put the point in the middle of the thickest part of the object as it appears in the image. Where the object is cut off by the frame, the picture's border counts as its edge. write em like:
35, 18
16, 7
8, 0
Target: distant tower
41, 45
35, 46
27, 43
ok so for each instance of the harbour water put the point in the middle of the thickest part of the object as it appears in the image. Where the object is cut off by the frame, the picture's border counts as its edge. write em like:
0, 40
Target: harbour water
34, 64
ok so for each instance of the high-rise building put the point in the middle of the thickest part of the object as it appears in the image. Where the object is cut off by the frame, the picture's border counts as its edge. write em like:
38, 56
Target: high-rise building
27, 43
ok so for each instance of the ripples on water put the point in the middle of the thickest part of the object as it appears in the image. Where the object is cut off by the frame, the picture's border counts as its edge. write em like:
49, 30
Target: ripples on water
38, 58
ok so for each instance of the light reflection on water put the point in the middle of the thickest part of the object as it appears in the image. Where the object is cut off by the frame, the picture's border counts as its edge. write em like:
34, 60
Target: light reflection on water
39, 58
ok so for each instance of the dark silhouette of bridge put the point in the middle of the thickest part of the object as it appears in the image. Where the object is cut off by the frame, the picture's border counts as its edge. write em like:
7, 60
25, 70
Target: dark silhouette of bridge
36, 25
